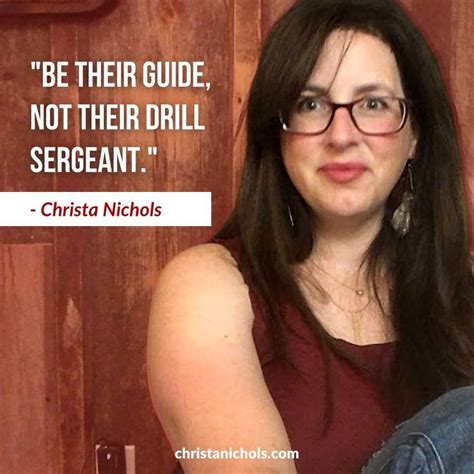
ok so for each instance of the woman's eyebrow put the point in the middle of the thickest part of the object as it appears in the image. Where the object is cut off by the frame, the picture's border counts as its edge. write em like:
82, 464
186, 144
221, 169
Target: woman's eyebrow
374, 86
320, 90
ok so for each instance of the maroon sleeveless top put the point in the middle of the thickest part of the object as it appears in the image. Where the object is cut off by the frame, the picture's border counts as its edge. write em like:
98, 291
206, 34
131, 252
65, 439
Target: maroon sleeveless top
359, 423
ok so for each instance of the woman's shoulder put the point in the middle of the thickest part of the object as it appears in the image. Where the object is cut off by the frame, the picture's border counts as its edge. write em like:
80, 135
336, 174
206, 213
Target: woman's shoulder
204, 263
205, 276
211, 252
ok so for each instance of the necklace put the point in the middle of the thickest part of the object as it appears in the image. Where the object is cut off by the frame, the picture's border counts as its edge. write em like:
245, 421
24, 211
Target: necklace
358, 291
356, 315
351, 311
355, 320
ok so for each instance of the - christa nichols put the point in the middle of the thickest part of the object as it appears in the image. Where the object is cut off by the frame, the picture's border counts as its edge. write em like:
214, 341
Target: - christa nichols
107, 209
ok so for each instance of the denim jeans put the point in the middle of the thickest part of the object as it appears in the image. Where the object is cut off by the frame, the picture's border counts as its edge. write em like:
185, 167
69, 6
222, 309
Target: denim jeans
439, 439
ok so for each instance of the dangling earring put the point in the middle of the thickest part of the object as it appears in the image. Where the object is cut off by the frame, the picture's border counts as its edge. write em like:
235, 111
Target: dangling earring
402, 218
290, 215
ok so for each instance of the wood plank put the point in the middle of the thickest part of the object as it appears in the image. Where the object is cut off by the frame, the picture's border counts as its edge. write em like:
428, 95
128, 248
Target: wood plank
26, 235
119, 266
271, 11
29, 415
25, 7
19, 88
68, 267
246, 45
434, 19
119, 277
70, 351
462, 71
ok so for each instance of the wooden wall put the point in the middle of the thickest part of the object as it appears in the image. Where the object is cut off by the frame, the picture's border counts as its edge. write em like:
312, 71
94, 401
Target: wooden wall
75, 301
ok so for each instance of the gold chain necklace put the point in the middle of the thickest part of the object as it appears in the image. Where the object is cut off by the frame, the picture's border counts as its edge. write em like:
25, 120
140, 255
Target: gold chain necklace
355, 320
352, 311
358, 291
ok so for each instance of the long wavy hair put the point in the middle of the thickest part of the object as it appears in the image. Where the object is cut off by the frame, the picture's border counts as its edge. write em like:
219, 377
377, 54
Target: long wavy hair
432, 296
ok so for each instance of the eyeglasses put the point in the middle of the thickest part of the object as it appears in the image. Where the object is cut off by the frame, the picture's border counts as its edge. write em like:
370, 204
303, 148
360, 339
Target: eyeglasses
313, 115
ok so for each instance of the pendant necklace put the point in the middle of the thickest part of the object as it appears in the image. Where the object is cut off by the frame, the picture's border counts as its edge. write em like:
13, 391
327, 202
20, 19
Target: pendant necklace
356, 319
358, 291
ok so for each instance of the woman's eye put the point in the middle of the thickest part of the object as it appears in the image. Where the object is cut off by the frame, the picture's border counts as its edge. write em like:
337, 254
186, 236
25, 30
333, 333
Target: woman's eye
375, 103
309, 104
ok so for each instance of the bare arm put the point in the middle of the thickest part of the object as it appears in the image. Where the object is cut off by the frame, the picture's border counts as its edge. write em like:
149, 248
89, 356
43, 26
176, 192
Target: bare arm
204, 374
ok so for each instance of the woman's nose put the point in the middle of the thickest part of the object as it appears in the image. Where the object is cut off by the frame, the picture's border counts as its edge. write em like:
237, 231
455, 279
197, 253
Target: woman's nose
342, 130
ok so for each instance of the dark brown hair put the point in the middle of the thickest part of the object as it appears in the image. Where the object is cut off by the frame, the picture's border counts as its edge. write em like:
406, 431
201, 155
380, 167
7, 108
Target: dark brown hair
432, 298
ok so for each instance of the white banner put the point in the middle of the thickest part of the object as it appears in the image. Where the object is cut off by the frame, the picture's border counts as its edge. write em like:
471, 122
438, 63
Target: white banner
105, 209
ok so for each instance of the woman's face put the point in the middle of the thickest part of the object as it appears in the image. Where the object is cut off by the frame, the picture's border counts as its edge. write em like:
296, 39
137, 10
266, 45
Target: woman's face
320, 166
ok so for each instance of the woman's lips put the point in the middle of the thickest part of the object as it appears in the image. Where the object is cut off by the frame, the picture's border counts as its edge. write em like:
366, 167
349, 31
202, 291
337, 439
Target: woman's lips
343, 172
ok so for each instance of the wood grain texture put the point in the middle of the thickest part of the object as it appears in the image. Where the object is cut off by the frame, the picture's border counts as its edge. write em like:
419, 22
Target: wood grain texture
433, 17
50, 6
271, 11
116, 298
462, 71
246, 45
82, 300
68, 244
29, 415
104, 269
20, 87
115, 310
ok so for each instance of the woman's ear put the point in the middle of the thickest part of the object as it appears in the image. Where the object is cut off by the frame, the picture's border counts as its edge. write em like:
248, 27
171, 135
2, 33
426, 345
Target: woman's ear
413, 142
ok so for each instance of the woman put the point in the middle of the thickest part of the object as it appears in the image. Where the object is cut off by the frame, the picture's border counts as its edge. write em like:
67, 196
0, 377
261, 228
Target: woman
338, 299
